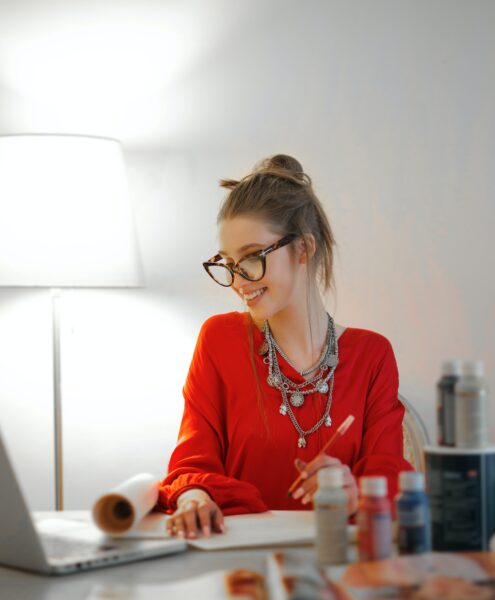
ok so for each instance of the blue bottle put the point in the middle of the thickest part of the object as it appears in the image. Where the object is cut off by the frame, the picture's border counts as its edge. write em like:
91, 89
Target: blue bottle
413, 514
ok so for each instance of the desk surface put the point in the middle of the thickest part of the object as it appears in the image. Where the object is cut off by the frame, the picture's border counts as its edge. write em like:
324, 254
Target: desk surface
22, 585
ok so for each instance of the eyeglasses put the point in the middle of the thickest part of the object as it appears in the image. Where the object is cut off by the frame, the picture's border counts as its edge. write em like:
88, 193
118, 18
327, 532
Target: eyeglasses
251, 267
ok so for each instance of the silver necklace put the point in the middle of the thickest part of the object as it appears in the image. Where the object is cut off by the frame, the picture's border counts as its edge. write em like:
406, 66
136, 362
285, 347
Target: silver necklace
322, 382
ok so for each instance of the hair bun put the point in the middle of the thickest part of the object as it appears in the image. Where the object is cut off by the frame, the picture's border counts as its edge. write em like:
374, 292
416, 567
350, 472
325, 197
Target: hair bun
285, 162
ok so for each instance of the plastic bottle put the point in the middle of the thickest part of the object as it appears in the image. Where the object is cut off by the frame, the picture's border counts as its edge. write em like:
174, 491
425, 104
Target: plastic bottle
451, 371
330, 504
413, 514
471, 407
374, 519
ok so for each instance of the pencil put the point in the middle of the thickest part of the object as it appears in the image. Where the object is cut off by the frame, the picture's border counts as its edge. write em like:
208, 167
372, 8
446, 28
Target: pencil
342, 428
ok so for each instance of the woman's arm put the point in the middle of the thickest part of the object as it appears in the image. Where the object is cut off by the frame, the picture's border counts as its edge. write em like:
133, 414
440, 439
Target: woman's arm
198, 460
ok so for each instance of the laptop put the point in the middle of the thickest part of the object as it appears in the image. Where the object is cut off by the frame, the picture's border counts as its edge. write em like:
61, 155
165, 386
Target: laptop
79, 548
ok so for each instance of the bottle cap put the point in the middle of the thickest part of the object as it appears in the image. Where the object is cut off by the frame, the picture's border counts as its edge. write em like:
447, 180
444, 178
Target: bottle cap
373, 486
473, 367
452, 367
411, 481
331, 477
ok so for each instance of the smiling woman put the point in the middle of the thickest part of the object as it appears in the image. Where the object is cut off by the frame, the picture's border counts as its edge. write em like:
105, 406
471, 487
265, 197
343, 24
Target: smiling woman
267, 388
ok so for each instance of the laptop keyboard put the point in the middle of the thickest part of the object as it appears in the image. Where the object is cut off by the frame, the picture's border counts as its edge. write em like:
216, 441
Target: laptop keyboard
59, 547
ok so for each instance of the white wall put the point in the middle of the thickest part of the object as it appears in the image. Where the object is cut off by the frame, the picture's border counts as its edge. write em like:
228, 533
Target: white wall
389, 107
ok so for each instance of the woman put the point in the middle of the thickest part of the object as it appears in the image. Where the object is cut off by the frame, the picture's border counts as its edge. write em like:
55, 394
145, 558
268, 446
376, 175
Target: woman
267, 387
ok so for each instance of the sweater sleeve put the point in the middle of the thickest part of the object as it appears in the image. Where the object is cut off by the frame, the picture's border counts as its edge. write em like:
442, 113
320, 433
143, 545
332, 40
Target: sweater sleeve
199, 457
382, 443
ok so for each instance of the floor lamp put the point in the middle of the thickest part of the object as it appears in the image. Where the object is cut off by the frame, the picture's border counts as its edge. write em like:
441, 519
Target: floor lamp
65, 222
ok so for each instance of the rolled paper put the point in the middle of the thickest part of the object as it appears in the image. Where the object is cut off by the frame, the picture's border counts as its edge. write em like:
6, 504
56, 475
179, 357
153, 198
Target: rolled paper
123, 508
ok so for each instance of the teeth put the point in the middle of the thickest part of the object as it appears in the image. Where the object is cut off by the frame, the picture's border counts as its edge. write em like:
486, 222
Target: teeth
254, 294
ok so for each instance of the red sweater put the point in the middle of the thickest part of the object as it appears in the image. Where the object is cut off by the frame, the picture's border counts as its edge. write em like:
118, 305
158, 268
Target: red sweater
246, 462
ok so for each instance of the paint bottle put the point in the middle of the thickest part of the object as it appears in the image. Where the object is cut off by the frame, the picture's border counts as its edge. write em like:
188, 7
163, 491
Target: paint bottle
330, 504
413, 514
451, 371
374, 519
471, 407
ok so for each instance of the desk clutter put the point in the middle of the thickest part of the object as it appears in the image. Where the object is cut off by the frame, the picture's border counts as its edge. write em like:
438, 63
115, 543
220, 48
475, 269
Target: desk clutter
287, 576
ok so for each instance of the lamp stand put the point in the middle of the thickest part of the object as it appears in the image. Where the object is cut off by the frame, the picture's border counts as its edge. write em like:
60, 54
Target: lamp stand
57, 400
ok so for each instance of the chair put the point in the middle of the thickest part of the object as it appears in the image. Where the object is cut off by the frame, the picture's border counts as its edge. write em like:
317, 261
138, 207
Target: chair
415, 436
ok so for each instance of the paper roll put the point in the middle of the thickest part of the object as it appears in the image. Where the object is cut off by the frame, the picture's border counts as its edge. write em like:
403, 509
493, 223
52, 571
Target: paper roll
123, 508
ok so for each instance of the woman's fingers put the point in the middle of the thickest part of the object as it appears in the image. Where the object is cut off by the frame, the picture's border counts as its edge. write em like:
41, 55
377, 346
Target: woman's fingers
193, 517
217, 520
319, 462
177, 525
205, 514
309, 484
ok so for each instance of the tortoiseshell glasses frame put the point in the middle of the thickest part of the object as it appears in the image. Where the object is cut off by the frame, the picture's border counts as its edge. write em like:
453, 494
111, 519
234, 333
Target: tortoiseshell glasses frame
234, 268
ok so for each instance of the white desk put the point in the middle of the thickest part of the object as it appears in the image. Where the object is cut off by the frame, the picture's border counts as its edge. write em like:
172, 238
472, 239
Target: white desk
22, 585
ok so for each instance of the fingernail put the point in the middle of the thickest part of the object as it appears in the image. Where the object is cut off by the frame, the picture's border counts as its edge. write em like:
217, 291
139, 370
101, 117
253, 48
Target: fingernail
298, 493
180, 533
192, 534
305, 500
304, 474
222, 528
206, 530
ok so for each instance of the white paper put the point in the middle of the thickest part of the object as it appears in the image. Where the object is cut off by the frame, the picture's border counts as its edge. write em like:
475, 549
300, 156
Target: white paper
262, 529
141, 493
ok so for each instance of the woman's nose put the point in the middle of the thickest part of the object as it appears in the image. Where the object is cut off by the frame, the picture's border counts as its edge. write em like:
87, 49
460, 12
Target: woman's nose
239, 282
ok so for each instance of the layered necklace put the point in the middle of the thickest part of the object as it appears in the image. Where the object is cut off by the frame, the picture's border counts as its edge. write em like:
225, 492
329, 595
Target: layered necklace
293, 394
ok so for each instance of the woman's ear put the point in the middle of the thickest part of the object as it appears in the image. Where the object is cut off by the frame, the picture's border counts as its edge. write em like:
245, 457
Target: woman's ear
306, 247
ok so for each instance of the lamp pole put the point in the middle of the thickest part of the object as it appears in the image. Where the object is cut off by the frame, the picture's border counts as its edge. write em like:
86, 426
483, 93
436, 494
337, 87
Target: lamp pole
57, 401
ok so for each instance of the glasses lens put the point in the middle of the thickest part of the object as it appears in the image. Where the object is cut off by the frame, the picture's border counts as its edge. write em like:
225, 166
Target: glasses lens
220, 274
252, 267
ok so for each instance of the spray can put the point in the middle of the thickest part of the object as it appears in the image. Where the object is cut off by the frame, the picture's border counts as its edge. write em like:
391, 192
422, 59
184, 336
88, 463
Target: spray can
413, 514
451, 371
330, 504
374, 519
471, 407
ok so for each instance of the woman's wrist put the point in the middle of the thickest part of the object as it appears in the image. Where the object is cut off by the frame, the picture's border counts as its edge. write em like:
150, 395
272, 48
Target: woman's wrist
197, 494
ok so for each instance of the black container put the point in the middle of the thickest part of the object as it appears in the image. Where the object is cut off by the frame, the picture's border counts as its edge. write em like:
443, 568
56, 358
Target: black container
460, 484
451, 371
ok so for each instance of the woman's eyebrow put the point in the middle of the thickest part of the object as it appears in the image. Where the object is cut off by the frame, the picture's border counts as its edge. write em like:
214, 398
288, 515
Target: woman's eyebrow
243, 249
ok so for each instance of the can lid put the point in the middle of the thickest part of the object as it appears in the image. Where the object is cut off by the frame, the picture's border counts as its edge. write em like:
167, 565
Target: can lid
452, 366
373, 486
331, 477
411, 481
474, 367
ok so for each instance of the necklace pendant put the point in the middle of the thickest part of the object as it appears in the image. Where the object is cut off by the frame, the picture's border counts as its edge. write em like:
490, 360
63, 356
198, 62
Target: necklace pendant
273, 380
297, 399
283, 409
301, 442
322, 387
328, 421
332, 360
263, 349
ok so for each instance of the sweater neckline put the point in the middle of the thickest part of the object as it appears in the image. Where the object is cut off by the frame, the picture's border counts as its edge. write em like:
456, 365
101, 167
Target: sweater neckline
288, 369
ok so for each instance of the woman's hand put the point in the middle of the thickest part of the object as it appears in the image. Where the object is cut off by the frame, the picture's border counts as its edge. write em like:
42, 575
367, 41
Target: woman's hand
195, 512
309, 484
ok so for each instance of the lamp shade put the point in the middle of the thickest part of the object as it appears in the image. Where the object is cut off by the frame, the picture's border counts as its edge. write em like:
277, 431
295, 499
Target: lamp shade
65, 214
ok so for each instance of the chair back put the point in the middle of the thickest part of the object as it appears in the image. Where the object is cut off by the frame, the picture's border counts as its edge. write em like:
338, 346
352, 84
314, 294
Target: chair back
415, 436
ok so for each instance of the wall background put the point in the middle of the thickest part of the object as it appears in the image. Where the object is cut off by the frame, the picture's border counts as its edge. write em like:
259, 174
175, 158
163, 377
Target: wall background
389, 107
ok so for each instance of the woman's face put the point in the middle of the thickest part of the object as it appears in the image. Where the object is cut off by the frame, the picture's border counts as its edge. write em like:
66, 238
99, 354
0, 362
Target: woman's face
281, 284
